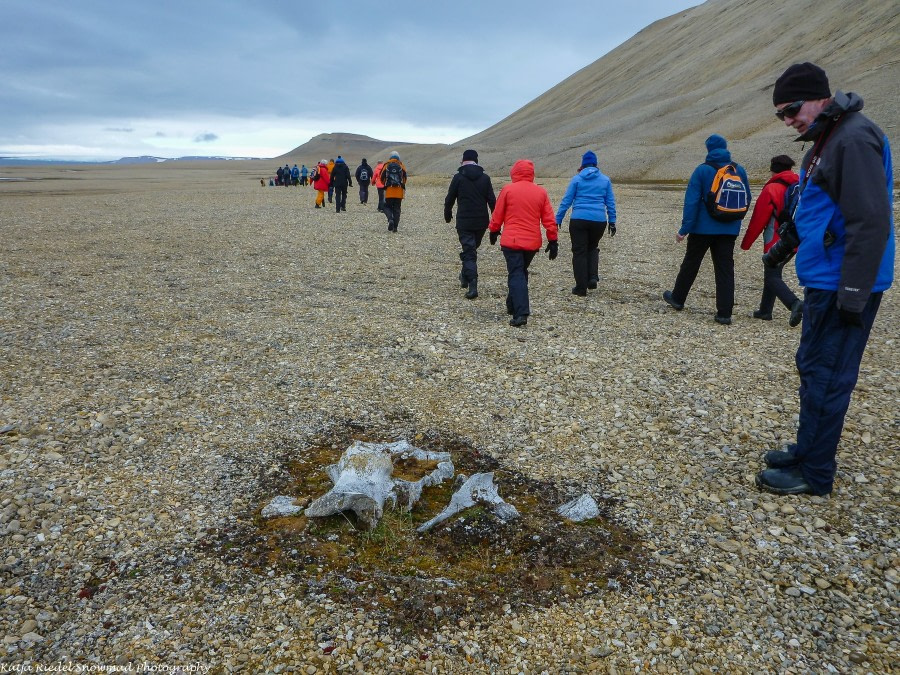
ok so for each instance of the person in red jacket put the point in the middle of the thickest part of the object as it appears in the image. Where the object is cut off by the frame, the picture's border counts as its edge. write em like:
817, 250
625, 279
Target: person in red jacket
521, 210
321, 182
768, 205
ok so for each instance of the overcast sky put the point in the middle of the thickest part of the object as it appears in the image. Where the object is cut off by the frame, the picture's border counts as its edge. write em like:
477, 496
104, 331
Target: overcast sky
98, 79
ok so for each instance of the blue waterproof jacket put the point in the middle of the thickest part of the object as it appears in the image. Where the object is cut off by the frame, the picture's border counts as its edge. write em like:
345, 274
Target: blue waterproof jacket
590, 195
849, 195
695, 218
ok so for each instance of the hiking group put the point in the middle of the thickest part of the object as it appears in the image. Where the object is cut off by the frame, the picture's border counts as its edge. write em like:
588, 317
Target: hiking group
835, 216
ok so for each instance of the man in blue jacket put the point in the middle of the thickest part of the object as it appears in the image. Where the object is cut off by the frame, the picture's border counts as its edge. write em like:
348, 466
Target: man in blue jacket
590, 195
845, 260
705, 233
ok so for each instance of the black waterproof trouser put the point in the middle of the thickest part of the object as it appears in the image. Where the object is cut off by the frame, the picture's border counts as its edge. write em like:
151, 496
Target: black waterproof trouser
774, 287
517, 263
585, 235
381, 199
721, 248
363, 192
469, 240
392, 211
340, 198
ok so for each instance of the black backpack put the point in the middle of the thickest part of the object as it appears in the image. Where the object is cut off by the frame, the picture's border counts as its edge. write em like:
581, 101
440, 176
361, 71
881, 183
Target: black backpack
393, 175
791, 201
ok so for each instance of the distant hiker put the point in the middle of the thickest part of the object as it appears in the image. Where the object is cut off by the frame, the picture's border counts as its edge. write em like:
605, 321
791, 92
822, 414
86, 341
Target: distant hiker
279, 176
340, 181
473, 193
393, 176
590, 195
522, 208
286, 175
705, 233
295, 175
262, 181
330, 186
764, 221
363, 178
320, 180
379, 185
304, 175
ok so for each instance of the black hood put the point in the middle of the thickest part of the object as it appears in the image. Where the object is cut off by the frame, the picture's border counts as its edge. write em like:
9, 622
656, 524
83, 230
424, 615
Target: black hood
471, 171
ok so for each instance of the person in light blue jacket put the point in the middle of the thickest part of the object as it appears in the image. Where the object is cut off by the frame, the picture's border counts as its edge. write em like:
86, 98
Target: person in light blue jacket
590, 195
705, 233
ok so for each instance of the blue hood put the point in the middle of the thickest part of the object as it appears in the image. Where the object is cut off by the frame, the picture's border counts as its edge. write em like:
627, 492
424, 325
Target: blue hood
717, 150
589, 172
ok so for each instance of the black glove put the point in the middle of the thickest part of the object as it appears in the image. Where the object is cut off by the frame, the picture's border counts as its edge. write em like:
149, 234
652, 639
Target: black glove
849, 318
493, 237
447, 219
612, 229
552, 249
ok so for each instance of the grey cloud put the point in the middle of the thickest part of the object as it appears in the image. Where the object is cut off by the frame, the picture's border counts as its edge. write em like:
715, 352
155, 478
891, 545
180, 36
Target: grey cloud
206, 138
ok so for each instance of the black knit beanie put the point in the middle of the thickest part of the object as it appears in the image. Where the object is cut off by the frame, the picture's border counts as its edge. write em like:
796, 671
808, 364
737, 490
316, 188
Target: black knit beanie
470, 156
801, 82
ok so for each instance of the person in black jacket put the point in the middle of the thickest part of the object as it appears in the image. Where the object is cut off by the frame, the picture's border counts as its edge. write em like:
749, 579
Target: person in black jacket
473, 193
340, 179
364, 175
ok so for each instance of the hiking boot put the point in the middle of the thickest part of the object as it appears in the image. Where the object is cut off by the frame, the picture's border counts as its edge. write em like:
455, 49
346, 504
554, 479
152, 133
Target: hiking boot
788, 481
724, 320
780, 459
578, 290
318, 207
518, 321
472, 293
667, 296
796, 313
592, 284
765, 316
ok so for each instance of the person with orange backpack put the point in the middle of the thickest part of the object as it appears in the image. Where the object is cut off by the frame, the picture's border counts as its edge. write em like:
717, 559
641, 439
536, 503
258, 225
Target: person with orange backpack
393, 176
716, 200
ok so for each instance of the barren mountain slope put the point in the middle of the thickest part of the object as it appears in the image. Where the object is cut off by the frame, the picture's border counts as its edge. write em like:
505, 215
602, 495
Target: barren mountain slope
647, 106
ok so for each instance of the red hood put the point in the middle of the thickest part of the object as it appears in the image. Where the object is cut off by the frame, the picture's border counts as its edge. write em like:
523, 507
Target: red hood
523, 169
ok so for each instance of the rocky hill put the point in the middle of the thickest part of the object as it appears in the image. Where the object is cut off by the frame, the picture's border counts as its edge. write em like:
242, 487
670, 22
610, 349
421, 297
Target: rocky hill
647, 106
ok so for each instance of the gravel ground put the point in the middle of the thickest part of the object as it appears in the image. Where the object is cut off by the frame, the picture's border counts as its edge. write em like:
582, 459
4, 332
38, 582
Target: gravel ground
166, 345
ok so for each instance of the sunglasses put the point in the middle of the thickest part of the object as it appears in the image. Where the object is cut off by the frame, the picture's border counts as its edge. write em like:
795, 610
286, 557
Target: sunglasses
789, 110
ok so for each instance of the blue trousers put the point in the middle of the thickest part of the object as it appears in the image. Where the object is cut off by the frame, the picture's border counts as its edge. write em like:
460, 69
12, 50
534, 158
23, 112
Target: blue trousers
517, 263
774, 287
828, 361
470, 240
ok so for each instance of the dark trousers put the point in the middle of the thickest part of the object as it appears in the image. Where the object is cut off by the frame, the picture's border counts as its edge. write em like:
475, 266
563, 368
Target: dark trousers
774, 287
721, 247
380, 198
340, 197
392, 211
363, 192
470, 240
517, 263
330, 193
303, 180
585, 235
828, 363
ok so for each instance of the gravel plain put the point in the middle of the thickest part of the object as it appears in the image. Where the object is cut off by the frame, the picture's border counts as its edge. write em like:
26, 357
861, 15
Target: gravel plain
170, 335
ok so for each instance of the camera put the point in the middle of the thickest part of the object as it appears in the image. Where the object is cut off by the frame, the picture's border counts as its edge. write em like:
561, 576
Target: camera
785, 247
